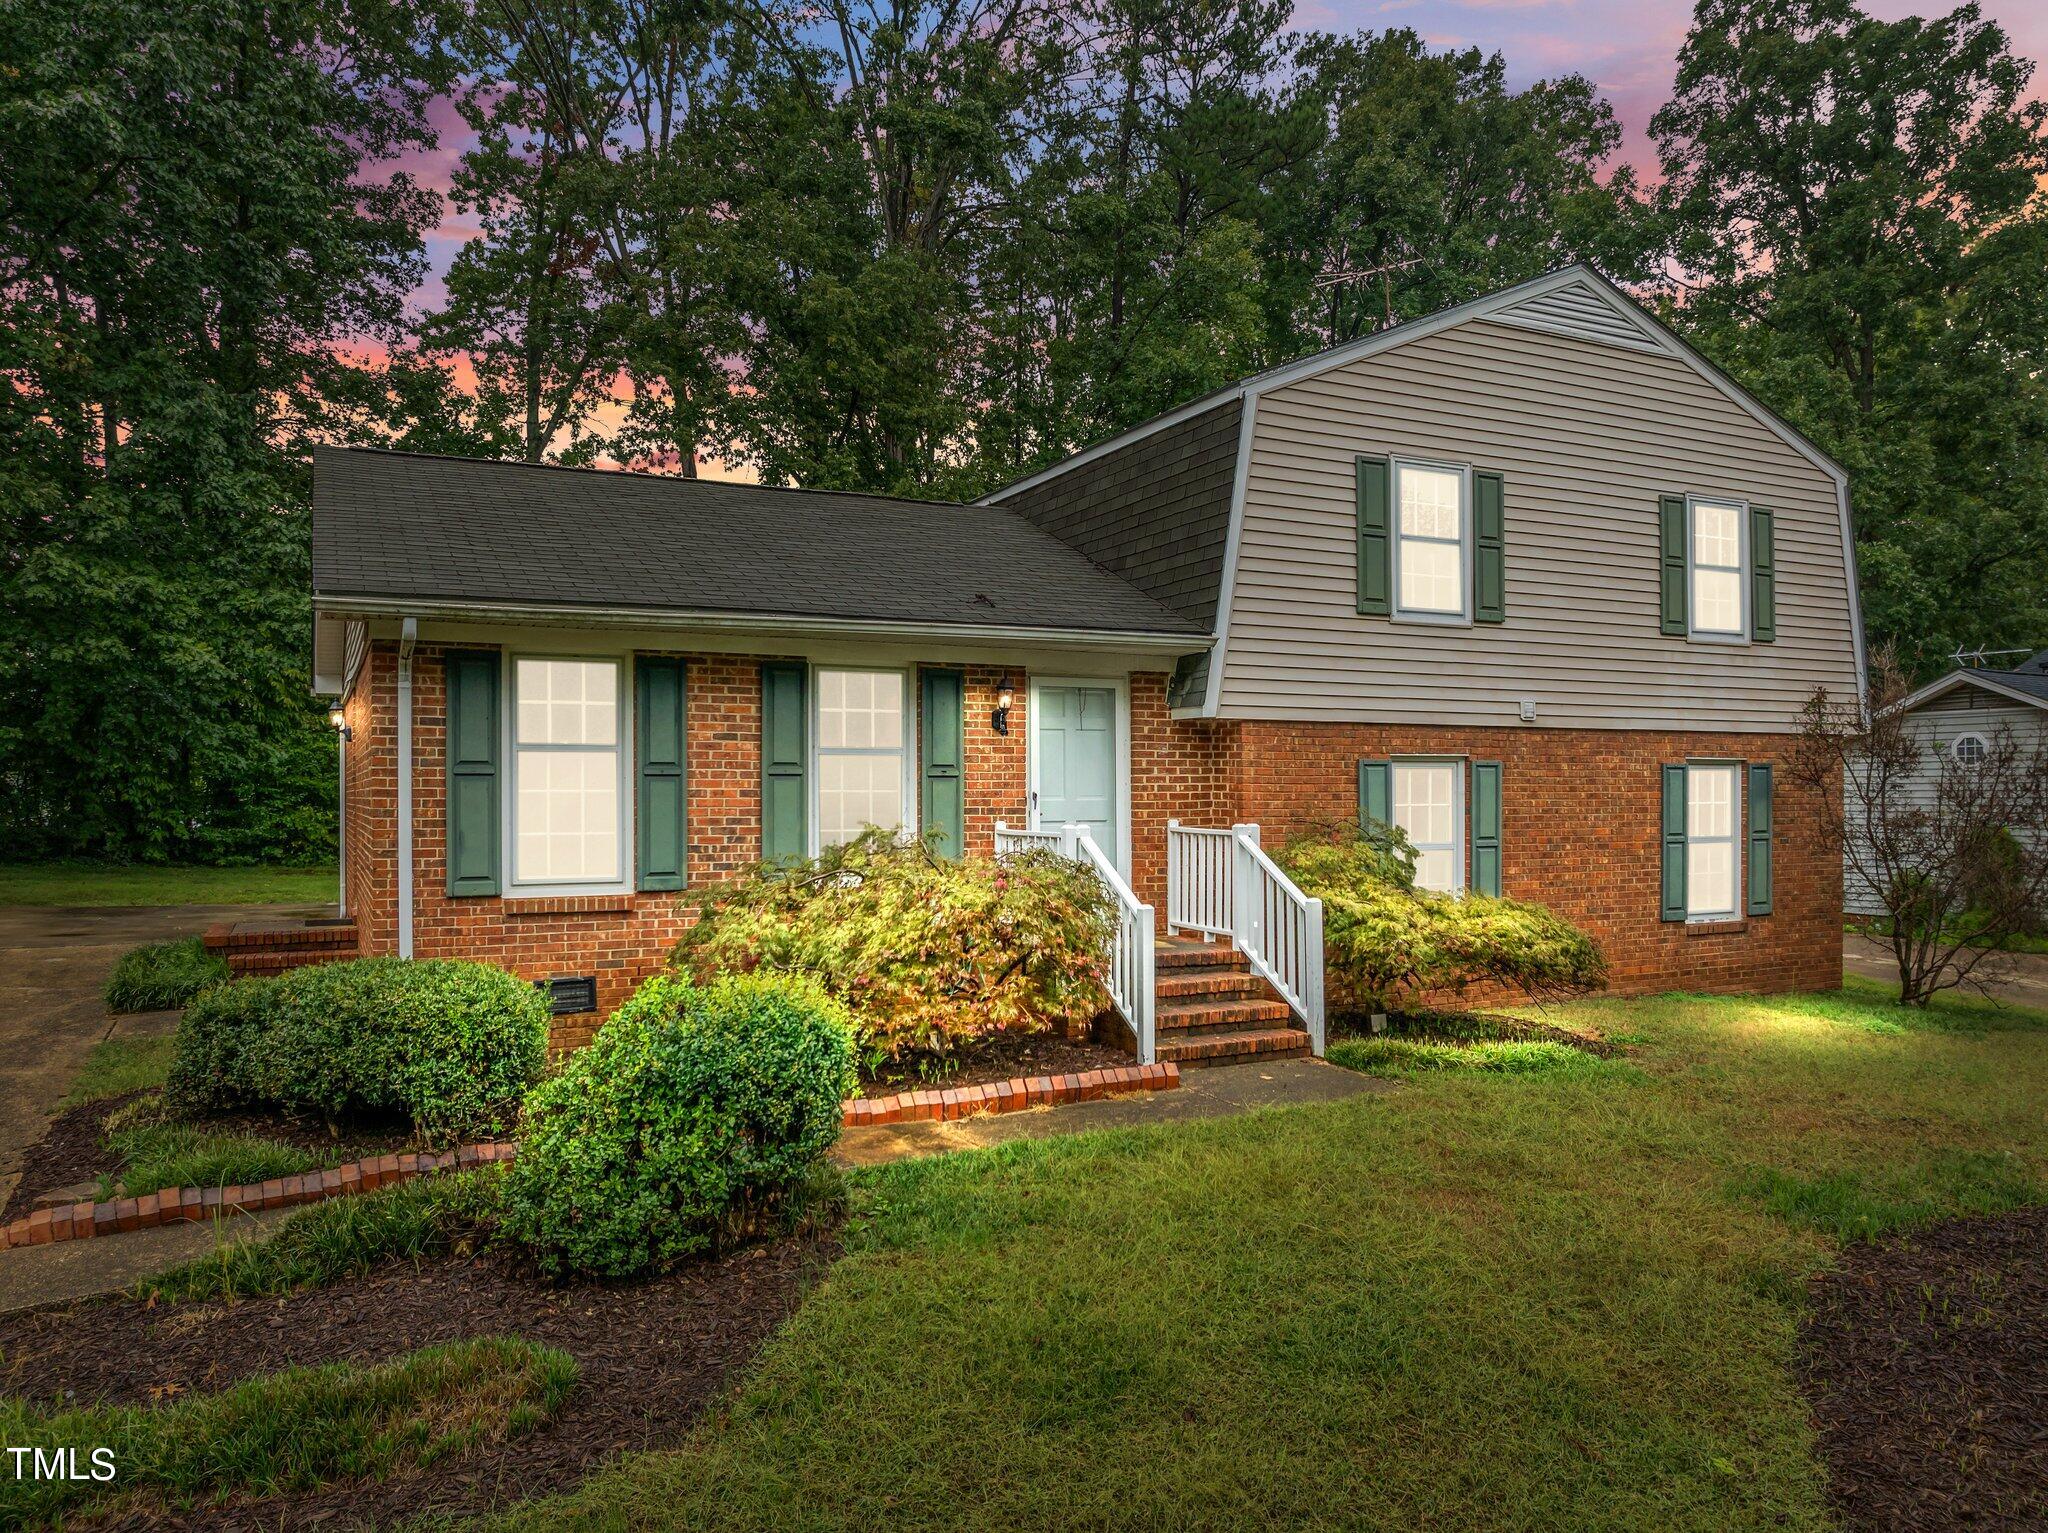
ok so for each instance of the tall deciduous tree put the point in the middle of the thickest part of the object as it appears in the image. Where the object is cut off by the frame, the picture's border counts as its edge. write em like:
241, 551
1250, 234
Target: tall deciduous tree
190, 226
1859, 233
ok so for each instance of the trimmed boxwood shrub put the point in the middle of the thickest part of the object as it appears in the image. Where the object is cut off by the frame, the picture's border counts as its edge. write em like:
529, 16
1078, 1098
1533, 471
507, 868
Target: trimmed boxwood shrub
450, 1045
695, 1111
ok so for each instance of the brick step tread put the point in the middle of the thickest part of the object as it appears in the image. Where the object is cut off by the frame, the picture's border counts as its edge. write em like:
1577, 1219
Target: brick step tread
1181, 984
1190, 1016
1221, 1048
1198, 955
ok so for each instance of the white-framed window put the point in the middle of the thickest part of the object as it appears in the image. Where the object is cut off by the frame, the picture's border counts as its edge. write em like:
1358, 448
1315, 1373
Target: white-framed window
1429, 806
1717, 567
1970, 749
1713, 827
863, 732
568, 799
1432, 541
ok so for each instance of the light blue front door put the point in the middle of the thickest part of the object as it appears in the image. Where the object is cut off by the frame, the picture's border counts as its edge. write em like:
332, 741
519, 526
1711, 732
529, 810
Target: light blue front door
1077, 762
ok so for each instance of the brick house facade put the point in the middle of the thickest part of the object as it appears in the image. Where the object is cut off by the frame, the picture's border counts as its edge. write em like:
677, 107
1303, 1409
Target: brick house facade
1628, 577
1580, 807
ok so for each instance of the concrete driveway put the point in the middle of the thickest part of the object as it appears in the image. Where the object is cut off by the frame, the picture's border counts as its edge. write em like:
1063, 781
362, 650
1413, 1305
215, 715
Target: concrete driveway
2020, 979
53, 964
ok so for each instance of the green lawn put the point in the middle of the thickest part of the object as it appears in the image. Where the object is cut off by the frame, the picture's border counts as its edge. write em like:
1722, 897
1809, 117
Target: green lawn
1537, 1301
71, 883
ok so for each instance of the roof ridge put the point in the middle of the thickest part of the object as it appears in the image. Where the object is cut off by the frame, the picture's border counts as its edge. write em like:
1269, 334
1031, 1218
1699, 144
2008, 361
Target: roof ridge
636, 473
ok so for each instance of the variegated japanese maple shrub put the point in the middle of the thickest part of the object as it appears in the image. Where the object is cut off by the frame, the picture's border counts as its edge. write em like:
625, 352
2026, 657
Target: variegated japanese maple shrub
926, 952
1386, 940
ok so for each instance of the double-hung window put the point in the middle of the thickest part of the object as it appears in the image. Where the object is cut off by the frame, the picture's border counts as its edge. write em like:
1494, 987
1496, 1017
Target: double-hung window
1713, 823
1717, 561
863, 751
568, 773
1428, 804
1432, 541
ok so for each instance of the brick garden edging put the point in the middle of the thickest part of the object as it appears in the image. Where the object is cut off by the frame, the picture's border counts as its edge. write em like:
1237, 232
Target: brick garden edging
1011, 1095
83, 1221
173, 1205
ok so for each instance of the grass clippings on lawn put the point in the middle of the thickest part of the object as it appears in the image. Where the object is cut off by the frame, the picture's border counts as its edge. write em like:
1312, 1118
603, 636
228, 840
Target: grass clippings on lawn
115, 884
1926, 1358
651, 1358
296, 1431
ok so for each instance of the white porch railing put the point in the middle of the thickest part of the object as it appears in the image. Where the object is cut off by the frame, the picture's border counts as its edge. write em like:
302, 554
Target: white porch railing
1128, 969
1200, 874
1221, 883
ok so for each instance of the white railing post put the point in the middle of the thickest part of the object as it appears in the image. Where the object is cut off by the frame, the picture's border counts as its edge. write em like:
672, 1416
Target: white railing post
1312, 976
1175, 905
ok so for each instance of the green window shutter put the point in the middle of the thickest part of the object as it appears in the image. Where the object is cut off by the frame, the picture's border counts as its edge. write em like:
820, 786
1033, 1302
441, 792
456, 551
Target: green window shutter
1489, 549
473, 751
785, 762
1375, 792
1486, 827
944, 807
661, 748
1763, 579
1671, 546
1759, 838
1375, 532
1673, 905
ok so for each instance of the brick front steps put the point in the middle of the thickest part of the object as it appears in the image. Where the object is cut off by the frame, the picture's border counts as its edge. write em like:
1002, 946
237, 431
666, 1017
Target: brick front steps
269, 947
1011, 1095
1212, 1010
83, 1221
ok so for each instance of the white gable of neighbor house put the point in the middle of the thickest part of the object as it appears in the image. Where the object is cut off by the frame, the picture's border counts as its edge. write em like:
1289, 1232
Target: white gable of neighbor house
1936, 725
1591, 412
1578, 309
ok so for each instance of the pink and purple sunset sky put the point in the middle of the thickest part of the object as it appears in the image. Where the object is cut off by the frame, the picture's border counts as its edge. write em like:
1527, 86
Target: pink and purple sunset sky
1628, 48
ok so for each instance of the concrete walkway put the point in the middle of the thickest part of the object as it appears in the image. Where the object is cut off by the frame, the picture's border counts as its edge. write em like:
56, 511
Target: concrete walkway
2020, 979
1215, 1092
53, 965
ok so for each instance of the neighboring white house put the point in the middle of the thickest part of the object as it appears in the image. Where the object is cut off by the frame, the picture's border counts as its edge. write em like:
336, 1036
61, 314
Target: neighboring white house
1957, 719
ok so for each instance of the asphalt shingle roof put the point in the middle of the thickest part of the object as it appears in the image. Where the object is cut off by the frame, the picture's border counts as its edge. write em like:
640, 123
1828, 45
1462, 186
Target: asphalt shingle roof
409, 525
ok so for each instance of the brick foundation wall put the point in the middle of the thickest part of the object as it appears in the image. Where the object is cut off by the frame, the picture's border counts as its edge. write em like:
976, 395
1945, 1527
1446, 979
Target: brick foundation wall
1581, 813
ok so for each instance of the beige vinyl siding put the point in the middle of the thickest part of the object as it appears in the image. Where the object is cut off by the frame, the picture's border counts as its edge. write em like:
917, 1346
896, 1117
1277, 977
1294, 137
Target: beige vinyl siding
1936, 724
1588, 435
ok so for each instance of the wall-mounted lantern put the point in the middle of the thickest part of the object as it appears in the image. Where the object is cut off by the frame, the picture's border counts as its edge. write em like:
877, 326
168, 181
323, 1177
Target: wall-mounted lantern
338, 717
999, 720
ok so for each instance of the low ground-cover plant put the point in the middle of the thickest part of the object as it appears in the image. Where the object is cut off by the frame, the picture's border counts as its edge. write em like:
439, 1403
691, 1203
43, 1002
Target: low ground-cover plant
160, 975
926, 952
292, 1431
413, 1221
1490, 1056
449, 1045
696, 1113
159, 1155
1385, 938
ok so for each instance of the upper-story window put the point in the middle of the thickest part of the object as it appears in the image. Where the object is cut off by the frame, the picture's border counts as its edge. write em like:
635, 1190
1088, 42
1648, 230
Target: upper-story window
1717, 567
1432, 541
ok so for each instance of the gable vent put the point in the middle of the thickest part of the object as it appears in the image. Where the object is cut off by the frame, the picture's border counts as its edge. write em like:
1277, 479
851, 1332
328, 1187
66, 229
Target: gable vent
1578, 311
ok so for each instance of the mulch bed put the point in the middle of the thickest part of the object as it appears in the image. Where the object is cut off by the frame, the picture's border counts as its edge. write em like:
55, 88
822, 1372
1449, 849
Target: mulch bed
1002, 1057
74, 1150
652, 1356
1926, 1359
